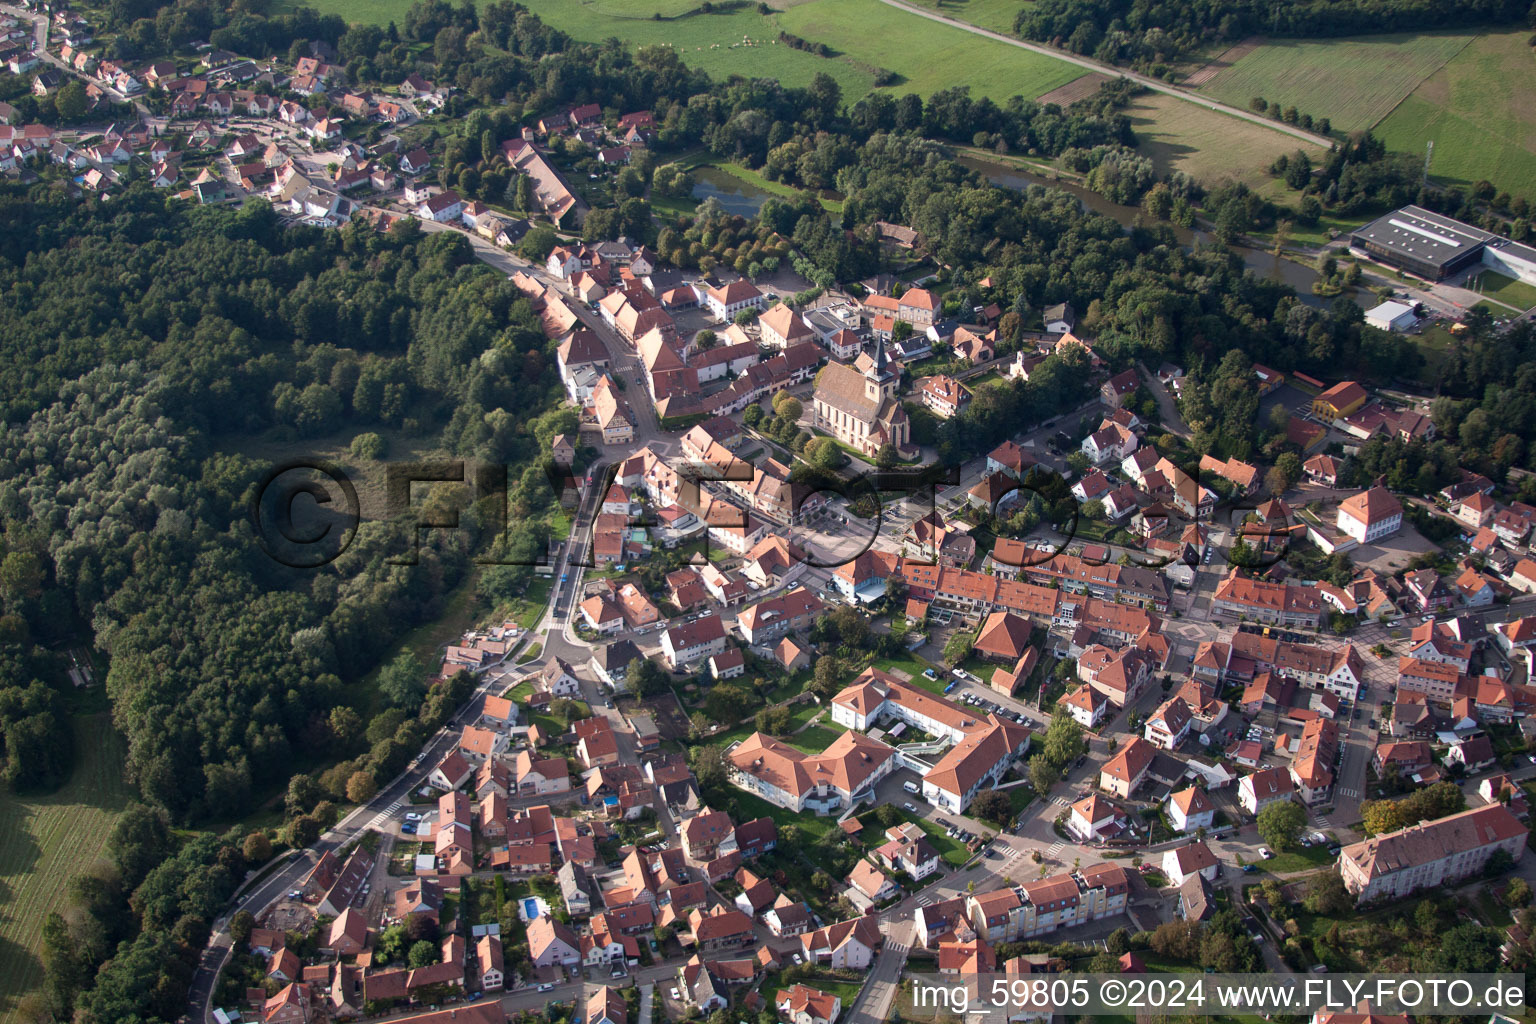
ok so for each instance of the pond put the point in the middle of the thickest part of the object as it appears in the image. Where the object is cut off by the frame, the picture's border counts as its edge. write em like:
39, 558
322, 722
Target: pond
735, 195
1262, 263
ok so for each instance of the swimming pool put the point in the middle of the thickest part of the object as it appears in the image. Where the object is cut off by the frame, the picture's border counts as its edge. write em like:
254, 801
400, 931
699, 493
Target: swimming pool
530, 908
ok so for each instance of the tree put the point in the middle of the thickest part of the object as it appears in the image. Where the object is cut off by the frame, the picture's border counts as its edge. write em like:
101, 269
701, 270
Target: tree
1118, 942
727, 703
369, 446
361, 787
958, 647
886, 457
1042, 774
826, 676
70, 101
1517, 893
1468, 949
240, 924
257, 849
994, 806
140, 839
1280, 824
346, 725
788, 407
709, 766
403, 681
1326, 895
746, 316
1064, 741
303, 831
423, 954
1275, 482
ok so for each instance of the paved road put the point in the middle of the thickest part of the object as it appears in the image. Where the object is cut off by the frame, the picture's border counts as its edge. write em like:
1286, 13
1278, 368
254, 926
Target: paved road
286, 878
1115, 72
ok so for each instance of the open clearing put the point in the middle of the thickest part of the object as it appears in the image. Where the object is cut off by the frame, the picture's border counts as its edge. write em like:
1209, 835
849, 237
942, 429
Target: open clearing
929, 56
1353, 82
46, 840
1480, 111
1181, 136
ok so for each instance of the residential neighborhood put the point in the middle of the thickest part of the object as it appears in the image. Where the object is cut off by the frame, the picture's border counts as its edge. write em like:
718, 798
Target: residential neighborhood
507, 526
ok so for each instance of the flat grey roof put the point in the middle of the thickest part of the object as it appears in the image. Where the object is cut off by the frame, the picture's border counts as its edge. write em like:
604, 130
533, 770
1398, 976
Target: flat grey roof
1416, 232
1515, 250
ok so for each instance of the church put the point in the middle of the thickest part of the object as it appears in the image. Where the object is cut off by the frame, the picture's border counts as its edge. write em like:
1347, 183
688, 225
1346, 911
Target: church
860, 409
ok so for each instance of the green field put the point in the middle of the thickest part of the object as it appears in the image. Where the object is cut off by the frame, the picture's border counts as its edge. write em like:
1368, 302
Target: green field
996, 15
927, 55
1182, 136
376, 12
1505, 289
47, 839
740, 42
1480, 112
1354, 82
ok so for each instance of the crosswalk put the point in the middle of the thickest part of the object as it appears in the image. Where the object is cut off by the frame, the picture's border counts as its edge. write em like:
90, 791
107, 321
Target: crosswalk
380, 819
1063, 801
1054, 848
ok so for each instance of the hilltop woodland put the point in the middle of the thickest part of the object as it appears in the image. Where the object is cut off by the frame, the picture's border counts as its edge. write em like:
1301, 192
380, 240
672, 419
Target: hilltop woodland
147, 343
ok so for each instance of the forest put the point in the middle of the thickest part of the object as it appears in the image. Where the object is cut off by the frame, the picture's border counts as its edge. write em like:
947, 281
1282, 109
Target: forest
145, 342
1146, 33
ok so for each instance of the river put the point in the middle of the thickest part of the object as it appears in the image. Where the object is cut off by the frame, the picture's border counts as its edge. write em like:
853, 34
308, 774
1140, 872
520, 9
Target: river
1262, 263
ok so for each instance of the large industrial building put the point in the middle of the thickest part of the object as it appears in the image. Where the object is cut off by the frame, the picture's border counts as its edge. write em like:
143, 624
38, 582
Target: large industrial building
1436, 247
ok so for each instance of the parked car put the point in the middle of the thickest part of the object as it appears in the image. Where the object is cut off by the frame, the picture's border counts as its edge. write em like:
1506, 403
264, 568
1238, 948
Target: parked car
1265, 854
548, 986
909, 807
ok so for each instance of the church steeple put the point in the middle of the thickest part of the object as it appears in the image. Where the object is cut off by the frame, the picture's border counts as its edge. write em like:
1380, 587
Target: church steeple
879, 381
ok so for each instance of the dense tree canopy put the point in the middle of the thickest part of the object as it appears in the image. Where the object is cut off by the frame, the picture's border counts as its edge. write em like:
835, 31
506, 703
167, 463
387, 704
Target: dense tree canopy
136, 356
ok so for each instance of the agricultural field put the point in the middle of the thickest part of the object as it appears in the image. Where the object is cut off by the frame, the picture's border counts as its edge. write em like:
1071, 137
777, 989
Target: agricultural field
929, 56
1480, 111
1211, 146
740, 42
1354, 82
46, 840
996, 15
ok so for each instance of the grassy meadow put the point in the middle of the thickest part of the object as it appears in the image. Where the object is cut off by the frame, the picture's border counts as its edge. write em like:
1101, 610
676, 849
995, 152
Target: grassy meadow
1211, 146
1480, 111
996, 15
47, 839
929, 56
1354, 82
740, 42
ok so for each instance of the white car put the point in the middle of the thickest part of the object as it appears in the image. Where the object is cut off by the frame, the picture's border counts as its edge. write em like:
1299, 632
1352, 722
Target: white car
672, 993
1265, 854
